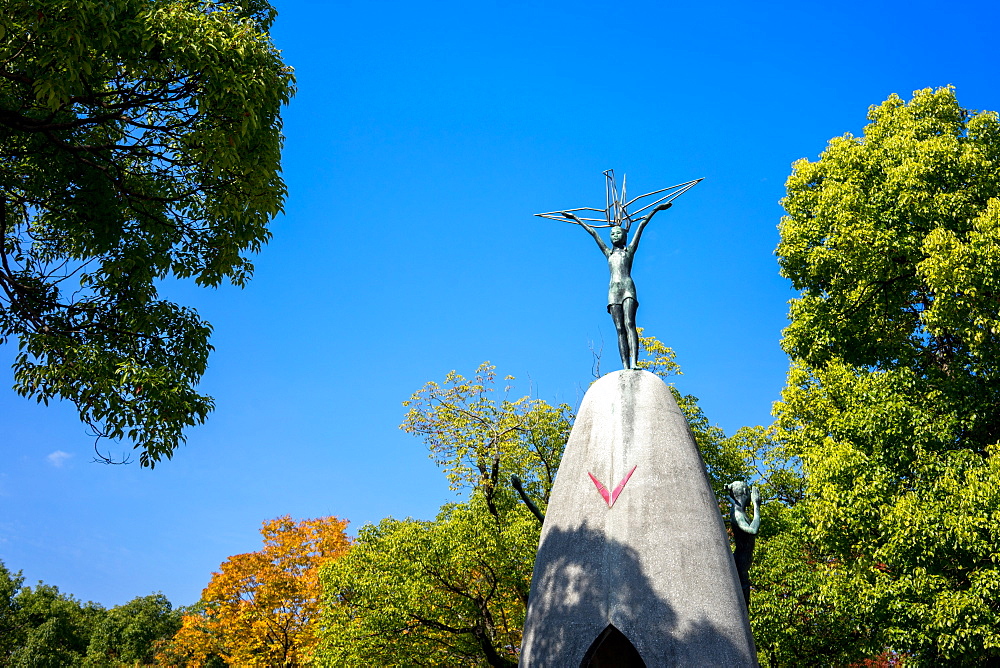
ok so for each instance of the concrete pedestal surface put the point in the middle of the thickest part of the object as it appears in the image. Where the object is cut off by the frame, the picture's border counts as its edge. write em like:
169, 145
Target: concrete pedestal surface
633, 544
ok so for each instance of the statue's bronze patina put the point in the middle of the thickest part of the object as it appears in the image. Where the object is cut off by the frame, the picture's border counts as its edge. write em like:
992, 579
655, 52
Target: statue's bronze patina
744, 530
622, 300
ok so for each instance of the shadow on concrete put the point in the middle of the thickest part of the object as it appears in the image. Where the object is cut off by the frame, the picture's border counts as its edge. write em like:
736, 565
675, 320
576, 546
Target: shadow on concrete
576, 598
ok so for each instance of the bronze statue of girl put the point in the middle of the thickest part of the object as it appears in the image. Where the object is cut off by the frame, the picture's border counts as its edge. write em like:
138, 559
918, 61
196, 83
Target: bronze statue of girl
622, 300
744, 530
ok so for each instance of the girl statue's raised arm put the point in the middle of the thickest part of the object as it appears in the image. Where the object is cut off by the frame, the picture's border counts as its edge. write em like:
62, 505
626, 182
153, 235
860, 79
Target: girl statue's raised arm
591, 230
642, 225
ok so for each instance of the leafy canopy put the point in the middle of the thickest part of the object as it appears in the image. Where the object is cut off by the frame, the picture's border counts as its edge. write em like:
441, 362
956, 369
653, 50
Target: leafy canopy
140, 141
481, 439
454, 591
261, 608
893, 399
41, 626
448, 592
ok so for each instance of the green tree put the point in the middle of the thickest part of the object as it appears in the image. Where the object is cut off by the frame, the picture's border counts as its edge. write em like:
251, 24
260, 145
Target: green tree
41, 627
726, 458
53, 629
450, 592
140, 141
132, 633
454, 591
481, 440
893, 400
10, 622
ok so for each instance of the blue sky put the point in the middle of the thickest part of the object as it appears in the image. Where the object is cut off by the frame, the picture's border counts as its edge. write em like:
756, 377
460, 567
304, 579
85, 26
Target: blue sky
422, 139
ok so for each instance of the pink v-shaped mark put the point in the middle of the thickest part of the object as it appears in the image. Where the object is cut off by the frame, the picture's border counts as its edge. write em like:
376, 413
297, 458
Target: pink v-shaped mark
613, 496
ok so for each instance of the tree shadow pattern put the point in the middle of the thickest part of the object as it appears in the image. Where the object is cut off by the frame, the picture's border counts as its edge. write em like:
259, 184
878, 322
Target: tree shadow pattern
590, 582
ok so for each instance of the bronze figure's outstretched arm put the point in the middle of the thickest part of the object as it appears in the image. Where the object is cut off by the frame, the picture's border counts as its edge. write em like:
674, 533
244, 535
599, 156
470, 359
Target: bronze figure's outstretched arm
642, 225
590, 230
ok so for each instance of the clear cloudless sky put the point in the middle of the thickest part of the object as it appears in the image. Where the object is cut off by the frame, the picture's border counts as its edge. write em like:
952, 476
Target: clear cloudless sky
421, 140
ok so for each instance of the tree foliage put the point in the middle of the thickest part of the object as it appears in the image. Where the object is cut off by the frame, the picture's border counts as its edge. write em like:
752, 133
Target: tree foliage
140, 141
131, 634
40, 627
480, 440
454, 591
261, 608
449, 592
726, 459
893, 400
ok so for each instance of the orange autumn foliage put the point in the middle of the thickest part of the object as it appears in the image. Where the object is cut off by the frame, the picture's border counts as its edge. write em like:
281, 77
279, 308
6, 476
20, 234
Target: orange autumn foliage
261, 608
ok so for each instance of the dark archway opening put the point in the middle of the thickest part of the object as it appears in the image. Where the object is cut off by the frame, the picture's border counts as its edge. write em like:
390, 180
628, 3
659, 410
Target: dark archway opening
612, 649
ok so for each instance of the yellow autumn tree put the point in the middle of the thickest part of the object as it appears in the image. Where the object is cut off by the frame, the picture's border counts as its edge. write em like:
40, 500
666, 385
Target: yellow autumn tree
261, 608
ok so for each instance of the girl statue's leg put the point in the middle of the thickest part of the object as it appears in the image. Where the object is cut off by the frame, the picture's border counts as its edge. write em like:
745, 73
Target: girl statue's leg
630, 307
618, 316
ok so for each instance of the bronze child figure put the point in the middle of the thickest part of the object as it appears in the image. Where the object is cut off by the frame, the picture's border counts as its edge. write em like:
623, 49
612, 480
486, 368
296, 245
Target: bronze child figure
622, 300
744, 530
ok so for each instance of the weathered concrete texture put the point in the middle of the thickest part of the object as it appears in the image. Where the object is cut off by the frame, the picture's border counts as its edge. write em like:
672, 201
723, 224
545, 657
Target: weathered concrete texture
656, 564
